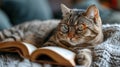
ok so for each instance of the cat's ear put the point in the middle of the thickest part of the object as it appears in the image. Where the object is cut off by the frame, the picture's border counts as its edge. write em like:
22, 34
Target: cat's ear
92, 11
64, 9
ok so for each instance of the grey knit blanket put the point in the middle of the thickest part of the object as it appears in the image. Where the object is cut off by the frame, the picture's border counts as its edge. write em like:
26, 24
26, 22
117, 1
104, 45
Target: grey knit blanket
107, 53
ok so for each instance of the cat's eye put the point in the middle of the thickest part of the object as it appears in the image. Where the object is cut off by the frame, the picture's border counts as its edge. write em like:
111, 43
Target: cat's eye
80, 28
64, 28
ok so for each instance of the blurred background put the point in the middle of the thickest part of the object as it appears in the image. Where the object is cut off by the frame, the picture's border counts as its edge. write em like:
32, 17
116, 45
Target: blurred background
13, 12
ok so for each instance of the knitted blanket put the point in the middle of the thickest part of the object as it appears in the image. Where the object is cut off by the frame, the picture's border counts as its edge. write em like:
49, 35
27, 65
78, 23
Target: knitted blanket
107, 53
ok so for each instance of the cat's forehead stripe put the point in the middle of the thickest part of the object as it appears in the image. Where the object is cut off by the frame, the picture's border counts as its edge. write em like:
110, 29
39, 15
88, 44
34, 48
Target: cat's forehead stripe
77, 18
72, 20
84, 20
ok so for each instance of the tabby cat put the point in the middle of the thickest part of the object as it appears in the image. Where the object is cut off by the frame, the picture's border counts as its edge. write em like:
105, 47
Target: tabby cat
78, 29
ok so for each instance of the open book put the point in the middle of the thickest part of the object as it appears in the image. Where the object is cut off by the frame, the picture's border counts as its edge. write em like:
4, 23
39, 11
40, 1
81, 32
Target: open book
51, 54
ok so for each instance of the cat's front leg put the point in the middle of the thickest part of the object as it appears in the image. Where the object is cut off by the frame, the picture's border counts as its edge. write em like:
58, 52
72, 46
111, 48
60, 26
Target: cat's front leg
84, 57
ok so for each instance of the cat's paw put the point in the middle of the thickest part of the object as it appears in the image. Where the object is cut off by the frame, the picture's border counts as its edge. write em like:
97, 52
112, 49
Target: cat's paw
80, 57
84, 57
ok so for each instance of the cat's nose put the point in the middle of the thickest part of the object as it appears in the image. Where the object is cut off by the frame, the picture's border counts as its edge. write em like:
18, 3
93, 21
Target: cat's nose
71, 35
72, 39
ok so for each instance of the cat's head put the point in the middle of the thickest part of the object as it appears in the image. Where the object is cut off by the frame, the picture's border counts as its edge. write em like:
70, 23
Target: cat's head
80, 26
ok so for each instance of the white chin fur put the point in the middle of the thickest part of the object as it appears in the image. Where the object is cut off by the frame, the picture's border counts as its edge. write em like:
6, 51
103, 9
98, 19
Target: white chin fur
76, 43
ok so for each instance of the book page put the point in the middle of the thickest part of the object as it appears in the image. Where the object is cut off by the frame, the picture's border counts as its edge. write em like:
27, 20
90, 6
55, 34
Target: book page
61, 51
30, 47
67, 54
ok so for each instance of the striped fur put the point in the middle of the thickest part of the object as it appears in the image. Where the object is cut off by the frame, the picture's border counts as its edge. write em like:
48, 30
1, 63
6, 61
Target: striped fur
34, 32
